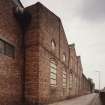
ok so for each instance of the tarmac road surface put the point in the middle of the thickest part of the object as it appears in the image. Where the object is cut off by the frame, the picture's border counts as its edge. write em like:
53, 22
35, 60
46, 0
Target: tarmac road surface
90, 99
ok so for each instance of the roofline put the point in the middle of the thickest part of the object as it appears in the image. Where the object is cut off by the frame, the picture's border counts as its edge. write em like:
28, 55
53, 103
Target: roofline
18, 1
39, 3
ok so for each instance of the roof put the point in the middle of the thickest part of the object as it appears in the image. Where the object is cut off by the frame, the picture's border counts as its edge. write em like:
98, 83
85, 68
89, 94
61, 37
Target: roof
40, 5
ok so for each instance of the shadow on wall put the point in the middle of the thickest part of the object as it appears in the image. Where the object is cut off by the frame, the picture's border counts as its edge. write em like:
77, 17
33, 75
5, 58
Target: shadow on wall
24, 19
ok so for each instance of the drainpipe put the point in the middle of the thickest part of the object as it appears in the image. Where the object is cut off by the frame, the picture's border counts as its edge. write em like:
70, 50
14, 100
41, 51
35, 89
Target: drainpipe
24, 18
19, 6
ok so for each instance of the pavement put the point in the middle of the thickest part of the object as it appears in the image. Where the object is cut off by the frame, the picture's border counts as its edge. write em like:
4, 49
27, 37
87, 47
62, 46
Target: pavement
90, 99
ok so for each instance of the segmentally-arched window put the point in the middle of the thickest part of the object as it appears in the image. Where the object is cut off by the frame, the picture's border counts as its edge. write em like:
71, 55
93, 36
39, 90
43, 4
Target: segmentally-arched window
70, 80
53, 73
64, 78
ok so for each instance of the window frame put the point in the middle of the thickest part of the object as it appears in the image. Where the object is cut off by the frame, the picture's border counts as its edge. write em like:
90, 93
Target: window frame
53, 71
70, 80
53, 44
64, 57
8, 49
64, 80
2, 47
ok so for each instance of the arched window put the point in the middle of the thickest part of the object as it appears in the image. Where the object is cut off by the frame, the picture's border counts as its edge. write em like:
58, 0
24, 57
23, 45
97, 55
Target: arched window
53, 45
64, 57
53, 73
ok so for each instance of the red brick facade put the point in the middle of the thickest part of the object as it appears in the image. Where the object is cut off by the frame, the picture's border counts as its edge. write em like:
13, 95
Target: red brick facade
11, 91
25, 79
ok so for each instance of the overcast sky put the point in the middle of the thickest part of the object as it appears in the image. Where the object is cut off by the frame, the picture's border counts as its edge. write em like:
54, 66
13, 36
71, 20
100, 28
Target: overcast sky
84, 24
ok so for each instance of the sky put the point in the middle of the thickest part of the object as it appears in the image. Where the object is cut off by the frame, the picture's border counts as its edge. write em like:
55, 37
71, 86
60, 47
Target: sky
84, 25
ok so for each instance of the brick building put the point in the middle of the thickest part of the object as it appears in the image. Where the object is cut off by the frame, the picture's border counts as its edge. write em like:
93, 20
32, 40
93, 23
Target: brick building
37, 64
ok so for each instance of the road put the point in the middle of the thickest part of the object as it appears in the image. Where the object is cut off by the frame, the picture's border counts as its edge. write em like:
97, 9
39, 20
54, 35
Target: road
91, 99
96, 101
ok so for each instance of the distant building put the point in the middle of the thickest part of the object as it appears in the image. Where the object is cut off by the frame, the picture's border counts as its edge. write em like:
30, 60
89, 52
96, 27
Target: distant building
37, 66
92, 85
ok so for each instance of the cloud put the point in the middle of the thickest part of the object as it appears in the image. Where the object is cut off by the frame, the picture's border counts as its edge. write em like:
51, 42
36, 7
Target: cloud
92, 10
28, 2
84, 24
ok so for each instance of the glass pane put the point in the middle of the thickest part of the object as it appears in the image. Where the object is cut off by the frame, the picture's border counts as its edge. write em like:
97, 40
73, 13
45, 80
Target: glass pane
70, 77
53, 73
1, 47
53, 70
53, 81
53, 76
70, 81
64, 84
64, 58
64, 72
64, 80
64, 76
53, 65
53, 44
9, 50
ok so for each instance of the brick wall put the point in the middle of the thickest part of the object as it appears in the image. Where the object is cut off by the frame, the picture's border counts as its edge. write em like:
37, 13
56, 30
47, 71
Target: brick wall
25, 79
32, 58
79, 74
73, 68
10, 68
49, 28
